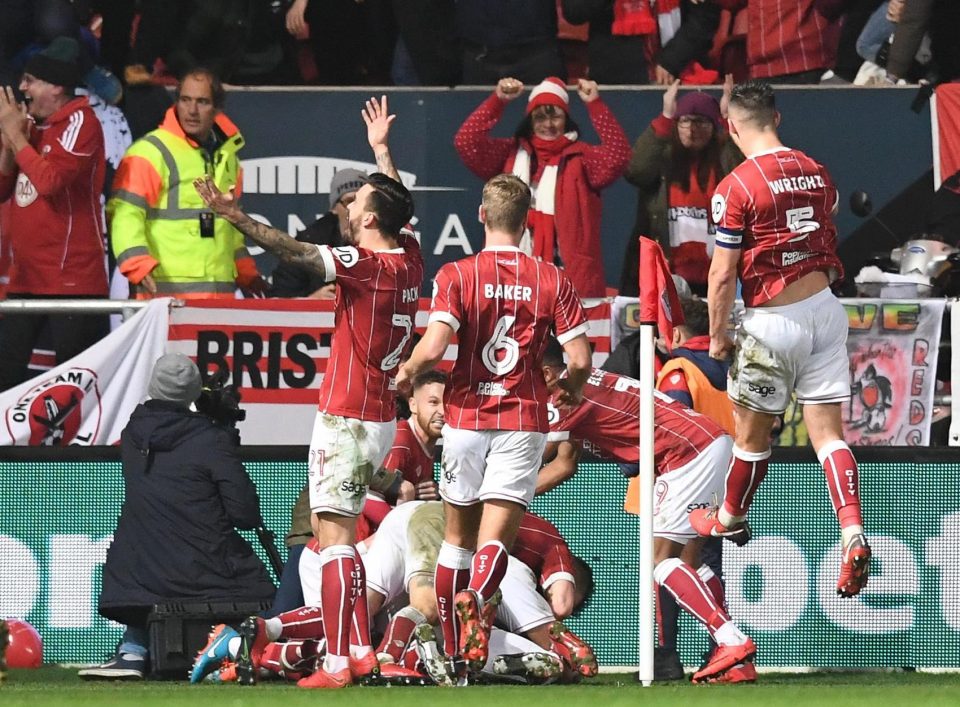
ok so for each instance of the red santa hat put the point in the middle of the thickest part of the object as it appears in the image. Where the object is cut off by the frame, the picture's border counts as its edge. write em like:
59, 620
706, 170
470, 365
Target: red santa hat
549, 92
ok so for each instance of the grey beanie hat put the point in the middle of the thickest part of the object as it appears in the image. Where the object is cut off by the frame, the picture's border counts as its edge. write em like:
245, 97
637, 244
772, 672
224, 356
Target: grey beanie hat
345, 181
176, 379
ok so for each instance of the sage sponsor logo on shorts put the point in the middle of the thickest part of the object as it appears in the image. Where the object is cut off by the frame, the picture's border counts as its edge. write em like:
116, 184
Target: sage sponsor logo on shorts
353, 488
762, 390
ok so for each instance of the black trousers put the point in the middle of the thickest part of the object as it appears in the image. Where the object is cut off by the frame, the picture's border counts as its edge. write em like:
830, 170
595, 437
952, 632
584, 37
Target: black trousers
71, 333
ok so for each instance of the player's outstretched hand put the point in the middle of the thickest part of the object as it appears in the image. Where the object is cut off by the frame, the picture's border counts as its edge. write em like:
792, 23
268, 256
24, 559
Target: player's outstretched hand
568, 396
378, 119
221, 203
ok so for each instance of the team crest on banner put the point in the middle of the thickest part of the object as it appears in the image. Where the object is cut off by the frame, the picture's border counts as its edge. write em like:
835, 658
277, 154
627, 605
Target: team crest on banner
88, 400
51, 413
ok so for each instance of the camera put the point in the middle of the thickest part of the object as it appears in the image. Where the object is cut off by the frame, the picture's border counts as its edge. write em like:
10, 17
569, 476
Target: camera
221, 402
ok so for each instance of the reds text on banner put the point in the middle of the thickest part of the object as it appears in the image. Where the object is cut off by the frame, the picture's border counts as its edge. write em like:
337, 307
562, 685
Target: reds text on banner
276, 351
88, 399
893, 348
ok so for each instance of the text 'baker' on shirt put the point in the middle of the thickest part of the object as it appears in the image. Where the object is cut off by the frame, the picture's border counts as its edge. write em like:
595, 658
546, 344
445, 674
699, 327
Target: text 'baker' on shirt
503, 305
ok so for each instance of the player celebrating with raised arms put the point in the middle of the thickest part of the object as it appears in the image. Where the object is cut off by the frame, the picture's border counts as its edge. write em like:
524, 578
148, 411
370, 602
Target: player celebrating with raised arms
774, 215
379, 275
502, 305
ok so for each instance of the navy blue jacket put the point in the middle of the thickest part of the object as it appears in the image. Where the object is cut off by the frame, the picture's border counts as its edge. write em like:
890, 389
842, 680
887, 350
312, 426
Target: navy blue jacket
186, 492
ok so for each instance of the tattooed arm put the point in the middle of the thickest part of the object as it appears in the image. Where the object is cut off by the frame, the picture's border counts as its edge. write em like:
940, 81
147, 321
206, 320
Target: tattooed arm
378, 119
286, 248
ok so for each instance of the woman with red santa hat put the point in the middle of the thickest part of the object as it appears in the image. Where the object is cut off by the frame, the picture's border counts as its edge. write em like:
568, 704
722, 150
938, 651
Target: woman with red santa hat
565, 174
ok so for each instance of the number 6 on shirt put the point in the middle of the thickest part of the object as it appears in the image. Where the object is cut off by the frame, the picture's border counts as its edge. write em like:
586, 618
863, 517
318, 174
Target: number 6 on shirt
501, 342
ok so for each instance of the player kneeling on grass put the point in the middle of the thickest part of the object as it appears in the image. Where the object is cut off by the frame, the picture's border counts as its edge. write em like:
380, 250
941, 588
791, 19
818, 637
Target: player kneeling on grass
691, 454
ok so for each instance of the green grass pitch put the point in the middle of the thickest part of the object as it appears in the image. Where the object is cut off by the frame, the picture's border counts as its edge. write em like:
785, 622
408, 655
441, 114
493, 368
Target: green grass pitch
60, 686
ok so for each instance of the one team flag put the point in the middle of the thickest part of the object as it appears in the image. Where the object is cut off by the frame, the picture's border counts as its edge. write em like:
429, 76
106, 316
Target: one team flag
660, 307
659, 302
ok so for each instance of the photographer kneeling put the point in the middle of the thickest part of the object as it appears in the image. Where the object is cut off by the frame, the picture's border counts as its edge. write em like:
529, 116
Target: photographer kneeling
186, 492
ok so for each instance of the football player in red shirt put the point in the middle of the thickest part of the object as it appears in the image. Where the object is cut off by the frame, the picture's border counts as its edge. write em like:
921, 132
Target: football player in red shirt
410, 460
690, 453
378, 275
774, 216
502, 304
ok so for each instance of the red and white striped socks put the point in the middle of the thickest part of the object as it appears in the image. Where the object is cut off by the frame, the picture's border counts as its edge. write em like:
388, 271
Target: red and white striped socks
843, 483
452, 576
690, 591
337, 568
747, 471
488, 568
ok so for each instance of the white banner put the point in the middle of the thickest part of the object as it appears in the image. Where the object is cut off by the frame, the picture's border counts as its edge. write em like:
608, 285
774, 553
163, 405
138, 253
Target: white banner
893, 347
88, 399
276, 350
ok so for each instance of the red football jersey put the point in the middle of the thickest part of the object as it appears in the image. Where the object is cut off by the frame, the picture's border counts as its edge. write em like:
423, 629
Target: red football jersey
503, 305
608, 420
409, 456
540, 547
789, 37
777, 207
374, 316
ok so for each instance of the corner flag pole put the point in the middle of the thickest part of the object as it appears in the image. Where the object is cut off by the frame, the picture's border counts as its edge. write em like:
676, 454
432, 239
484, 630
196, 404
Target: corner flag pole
660, 306
646, 607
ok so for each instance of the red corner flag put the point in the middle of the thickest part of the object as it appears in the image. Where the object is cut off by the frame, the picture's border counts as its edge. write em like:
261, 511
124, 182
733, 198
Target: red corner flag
659, 303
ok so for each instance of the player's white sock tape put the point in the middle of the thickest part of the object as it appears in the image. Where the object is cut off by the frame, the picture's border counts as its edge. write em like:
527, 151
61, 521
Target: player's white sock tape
454, 556
829, 448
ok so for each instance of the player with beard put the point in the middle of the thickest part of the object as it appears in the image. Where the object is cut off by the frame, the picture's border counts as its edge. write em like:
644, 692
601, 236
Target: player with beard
379, 276
411, 457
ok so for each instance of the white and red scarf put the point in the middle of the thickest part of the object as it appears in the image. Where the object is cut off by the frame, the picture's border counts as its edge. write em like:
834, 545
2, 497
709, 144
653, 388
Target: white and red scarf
636, 17
543, 185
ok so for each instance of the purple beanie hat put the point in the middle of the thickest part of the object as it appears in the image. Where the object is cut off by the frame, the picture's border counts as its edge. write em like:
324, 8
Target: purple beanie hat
698, 103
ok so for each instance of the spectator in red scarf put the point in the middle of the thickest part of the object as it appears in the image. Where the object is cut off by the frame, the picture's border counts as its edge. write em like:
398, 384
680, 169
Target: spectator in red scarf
564, 173
675, 166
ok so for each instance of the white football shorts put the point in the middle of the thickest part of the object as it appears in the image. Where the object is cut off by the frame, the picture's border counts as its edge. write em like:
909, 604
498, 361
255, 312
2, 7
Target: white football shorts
344, 452
522, 607
697, 484
490, 464
406, 545
799, 347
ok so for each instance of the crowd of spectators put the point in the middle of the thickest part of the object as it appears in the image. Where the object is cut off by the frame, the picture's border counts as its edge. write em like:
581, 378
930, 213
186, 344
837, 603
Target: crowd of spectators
127, 49
478, 42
